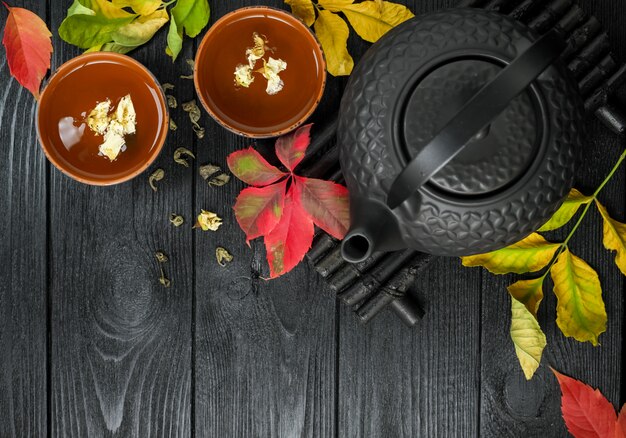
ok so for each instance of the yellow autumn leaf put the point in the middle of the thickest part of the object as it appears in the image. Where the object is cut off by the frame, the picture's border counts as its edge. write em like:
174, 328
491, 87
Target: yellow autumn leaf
370, 19
303, 9
614, 237
141, 30
528, 255
529, 293
527, 337
106, 9
143, 7
332, 33
580, 311
564, 214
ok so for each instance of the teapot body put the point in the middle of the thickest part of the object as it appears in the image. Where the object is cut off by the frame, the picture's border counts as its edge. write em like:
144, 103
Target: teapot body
498, 190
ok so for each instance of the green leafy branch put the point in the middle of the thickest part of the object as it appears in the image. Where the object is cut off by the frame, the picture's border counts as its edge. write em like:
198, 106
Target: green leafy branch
123, 25
581, 312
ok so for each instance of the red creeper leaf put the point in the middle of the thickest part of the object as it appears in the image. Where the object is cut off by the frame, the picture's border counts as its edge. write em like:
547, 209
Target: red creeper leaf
28, 47
250, 167
587, 413
291, 148
327, 203
620, 426
258, 210
288, 243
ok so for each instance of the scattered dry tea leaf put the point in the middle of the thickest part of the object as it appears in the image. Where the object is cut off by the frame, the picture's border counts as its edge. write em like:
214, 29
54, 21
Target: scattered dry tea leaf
223, 256
176, 219
178, 156
208, 220
171, 101
157, 175
199, 131
194, 111
164, 281
161, 257
208, 170
219, 180
173, 126
191, 63
167, 86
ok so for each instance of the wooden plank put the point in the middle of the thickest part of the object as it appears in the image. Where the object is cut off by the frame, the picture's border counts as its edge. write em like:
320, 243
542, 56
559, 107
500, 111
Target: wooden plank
511, 406
120, 342
265, 350
400, 382
23, 252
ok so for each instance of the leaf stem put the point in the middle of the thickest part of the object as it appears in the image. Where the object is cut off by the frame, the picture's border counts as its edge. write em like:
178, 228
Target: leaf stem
585, 211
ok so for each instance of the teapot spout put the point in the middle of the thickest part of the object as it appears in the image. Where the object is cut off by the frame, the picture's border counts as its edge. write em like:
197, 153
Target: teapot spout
374, 228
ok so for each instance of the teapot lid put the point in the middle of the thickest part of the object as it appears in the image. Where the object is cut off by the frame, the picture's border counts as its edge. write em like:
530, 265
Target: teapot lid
500, 153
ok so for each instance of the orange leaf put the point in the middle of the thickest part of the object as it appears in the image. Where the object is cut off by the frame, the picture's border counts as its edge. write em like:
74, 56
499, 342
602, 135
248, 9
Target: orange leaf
587, 413
620, 426
28, 47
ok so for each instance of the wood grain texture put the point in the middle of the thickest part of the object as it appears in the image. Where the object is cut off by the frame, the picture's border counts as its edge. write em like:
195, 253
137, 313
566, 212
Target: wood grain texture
121, 343
23, 254
265, 350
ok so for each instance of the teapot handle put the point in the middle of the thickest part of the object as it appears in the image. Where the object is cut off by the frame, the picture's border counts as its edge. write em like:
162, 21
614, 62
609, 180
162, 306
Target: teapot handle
477, 113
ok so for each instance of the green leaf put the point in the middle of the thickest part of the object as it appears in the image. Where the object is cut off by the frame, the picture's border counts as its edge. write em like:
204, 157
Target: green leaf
141, 30
529, 255
614, 237
174, 40
191, 15
528, 338
333, 33
529, 293
78, 8
566, 212
87, 31
580, 312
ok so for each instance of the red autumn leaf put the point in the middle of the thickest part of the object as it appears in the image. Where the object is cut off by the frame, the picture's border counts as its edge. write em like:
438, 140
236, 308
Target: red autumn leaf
290, 240
250, 167
620, 426
291, 148
28, 46
327, 203
258, 210
587, 413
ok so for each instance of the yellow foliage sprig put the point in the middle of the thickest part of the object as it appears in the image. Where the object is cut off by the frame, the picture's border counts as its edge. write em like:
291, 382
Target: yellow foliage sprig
370, 19
581, 312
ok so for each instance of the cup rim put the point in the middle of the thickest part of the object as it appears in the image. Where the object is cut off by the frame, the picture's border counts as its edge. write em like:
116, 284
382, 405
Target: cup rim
153, 154
223, 123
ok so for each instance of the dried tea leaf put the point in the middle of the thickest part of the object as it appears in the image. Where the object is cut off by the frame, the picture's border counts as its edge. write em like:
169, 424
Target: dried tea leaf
208, 170
161, 257
219, 180
186, 77
173, 126
176, 219
193, 110
167, 86
179, 153
223, 256
208, 220
191, 63
199, 131
164, 281
157, 175
171, 101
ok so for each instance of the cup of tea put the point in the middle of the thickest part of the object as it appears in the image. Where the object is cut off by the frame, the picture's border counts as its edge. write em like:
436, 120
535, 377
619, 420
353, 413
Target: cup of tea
260, 72
102, 119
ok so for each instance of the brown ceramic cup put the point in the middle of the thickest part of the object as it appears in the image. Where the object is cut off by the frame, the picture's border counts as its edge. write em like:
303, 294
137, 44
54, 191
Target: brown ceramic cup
74, 90
252, 112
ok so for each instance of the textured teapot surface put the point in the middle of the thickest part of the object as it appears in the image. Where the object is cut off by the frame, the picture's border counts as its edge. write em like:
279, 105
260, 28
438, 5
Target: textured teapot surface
510, 179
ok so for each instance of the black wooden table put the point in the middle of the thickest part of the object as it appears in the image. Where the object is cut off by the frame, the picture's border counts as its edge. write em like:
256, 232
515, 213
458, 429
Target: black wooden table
92, 345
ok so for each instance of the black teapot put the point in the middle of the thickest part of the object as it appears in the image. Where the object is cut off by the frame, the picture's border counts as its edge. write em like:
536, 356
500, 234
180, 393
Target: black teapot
459, 134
